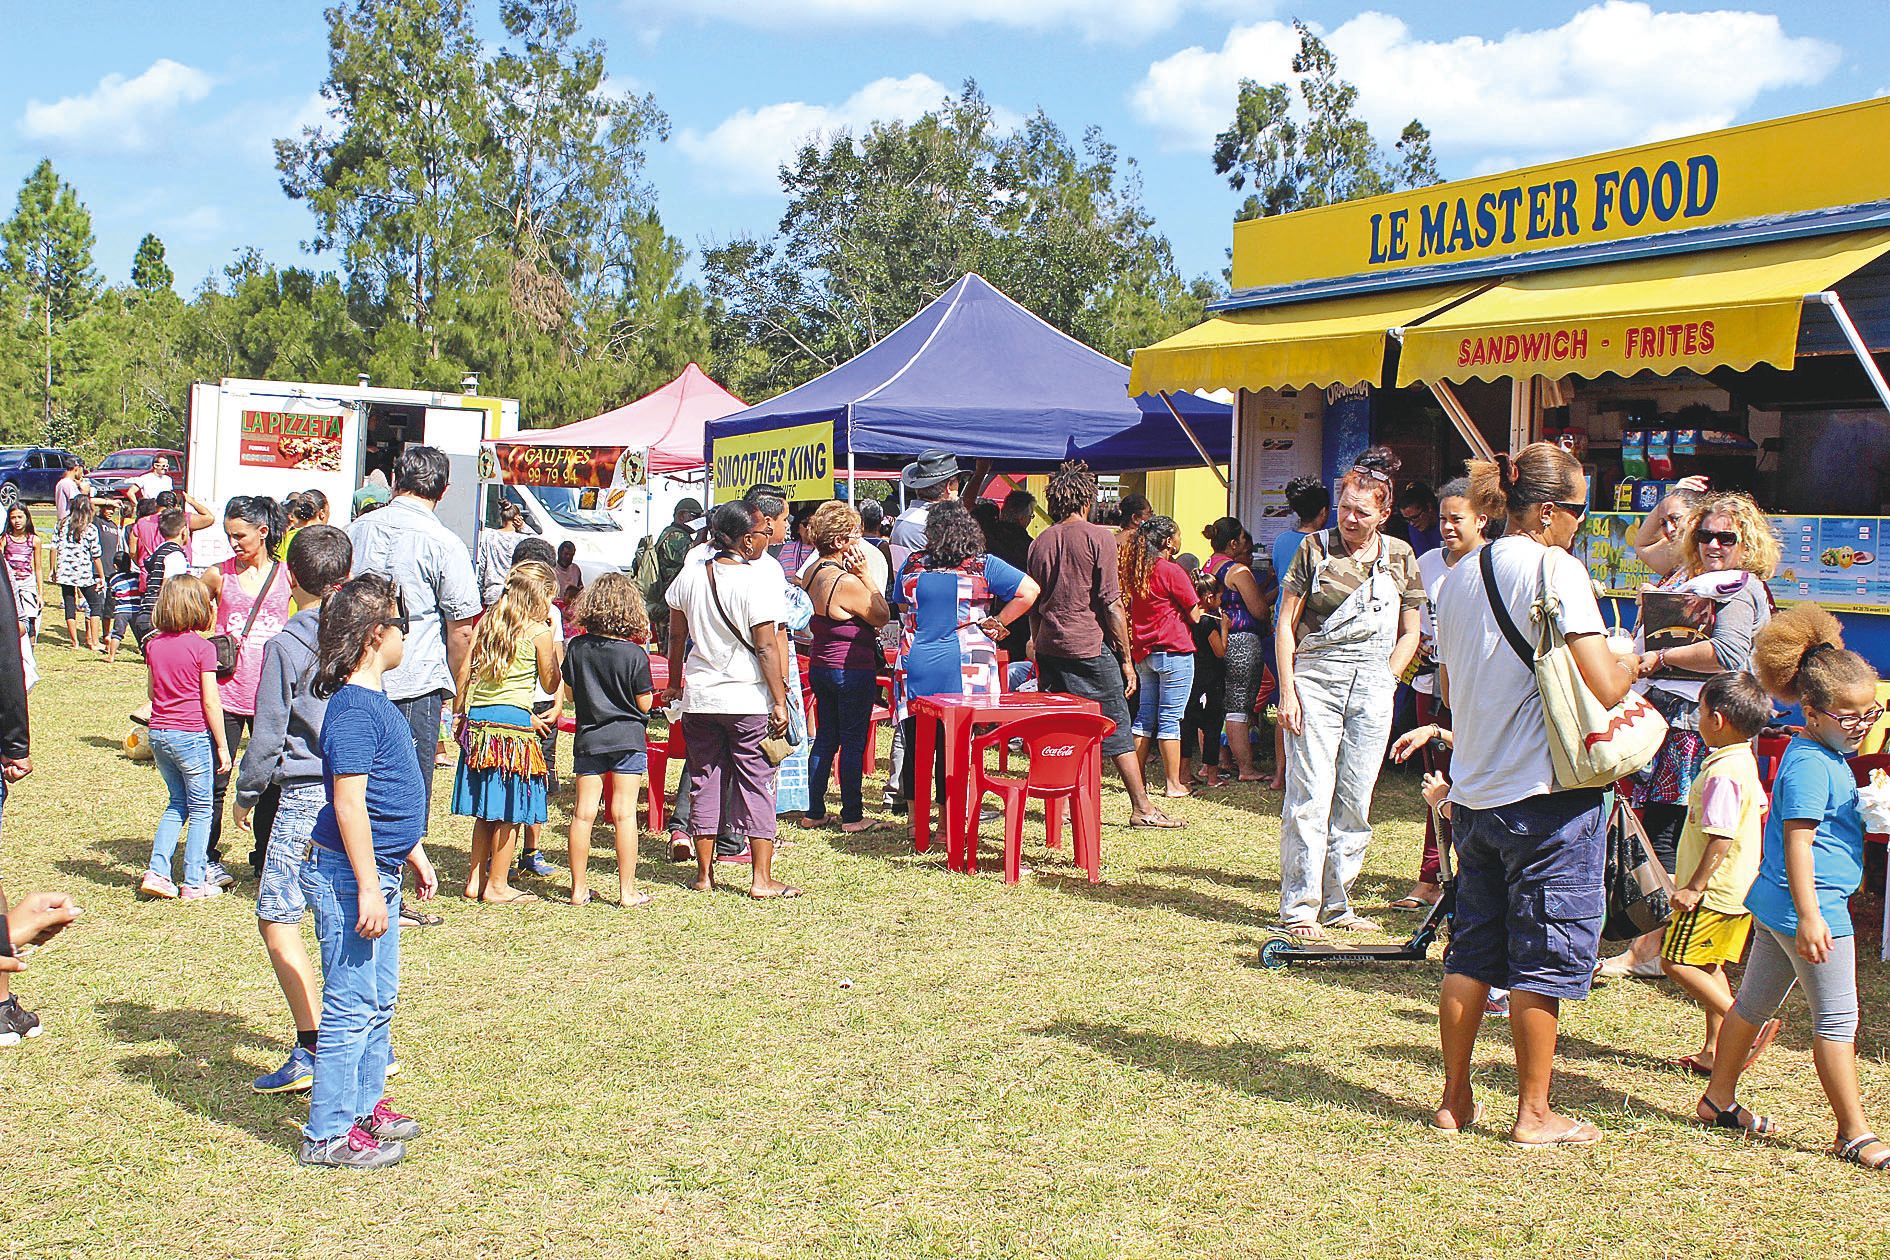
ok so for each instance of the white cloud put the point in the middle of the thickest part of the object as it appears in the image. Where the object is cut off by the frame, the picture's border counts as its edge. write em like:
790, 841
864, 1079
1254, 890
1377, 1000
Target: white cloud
746, 149
120, 115
202, 223
1096, 19
1616, 73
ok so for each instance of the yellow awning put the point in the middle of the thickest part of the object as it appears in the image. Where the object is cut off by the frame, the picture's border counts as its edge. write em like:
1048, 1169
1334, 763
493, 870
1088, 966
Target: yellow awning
1717, 308
1338, 341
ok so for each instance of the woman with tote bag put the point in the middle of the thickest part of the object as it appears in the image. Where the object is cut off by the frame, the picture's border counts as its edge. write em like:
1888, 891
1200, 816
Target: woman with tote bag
1530, 857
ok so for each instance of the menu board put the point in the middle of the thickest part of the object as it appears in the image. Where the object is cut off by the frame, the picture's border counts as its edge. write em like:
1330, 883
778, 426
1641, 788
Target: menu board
1834, 560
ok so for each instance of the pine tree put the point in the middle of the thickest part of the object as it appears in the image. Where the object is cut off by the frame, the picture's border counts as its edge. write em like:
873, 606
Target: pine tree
47, 250
149, 272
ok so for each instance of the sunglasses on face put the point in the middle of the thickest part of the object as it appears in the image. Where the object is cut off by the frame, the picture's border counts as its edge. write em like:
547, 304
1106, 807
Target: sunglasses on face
399, 620
1724, 537
1576, 510
1857, 721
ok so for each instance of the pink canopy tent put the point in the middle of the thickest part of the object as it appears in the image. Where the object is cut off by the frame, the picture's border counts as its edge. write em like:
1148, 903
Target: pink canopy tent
669, 421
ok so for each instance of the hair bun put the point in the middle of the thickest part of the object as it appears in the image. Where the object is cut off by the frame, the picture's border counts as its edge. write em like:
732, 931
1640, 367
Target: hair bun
1380, 459
1505, 470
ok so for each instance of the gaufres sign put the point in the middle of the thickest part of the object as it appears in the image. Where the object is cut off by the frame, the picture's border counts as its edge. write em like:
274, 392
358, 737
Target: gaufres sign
579, 467
1781, 166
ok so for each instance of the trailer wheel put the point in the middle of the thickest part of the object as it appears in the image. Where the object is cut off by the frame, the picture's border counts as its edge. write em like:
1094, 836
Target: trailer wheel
1273, 954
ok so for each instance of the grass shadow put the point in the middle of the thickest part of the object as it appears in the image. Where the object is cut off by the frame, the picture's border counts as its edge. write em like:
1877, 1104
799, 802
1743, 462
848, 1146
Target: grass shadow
200, 1068
127, 857
1181, 900
1250, 1068
103, 741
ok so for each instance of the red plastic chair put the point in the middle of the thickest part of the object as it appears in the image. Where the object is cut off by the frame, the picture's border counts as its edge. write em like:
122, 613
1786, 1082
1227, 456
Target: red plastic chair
656, 782
1061, 747
1770, 749
1861, 766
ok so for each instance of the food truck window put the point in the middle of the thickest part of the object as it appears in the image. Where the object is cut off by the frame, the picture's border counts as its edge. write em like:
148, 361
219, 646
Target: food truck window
512, 495
1812, 443
389, 429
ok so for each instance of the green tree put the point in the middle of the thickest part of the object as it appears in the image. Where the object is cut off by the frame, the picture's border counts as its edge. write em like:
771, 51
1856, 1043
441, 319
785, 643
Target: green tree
396, 177
47, 250
1318, 151
878, 225
149, 272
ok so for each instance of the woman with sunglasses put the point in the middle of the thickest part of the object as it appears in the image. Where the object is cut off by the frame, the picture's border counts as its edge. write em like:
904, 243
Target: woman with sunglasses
1727, 553
1529, 856
252, 593
1348, 627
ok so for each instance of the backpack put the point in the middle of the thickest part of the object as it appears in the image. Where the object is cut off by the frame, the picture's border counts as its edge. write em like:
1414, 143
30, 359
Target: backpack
645, 569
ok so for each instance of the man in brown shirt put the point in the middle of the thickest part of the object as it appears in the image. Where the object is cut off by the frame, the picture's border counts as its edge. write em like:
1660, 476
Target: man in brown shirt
1074, 562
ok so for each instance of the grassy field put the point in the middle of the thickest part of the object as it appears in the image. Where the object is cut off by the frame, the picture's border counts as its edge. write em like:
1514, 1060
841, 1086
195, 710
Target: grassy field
904, 1063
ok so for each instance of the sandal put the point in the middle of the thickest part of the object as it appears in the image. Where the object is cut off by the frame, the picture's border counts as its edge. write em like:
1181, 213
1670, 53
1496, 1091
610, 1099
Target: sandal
1304, 931
640, 899
1476, 1118
1691, 1062
1578, 1133
1157, 820
1410, 903
1740, 1120
1355, 922
420, 918
1852, 1152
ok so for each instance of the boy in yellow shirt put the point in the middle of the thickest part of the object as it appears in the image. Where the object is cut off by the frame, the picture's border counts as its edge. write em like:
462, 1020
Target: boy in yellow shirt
1719, 857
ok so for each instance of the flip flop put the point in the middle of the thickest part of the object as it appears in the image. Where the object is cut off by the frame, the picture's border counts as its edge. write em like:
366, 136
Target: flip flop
681, 852
1691, 1063
589, 897
641, 899
1410, 903
1578, 1133
420, 918
1304, 931
518, 898
1161, 822
1768, 1033
788, 892
1476, 1118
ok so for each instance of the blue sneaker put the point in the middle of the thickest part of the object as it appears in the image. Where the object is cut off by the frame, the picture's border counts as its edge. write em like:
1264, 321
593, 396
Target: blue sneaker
296, 1075
534, 863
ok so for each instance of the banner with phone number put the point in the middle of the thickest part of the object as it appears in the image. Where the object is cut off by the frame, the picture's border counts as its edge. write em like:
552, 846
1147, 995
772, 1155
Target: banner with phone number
577, 467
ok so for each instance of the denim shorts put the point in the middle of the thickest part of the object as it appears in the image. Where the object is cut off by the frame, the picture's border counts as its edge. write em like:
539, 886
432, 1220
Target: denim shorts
1163, 682
279, 897
1097, 678
1529, 893
629, 761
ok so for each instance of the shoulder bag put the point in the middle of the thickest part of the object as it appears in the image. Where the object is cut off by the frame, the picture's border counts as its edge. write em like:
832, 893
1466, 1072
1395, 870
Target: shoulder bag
1640, 892
1590, 744
229, 648
776, 748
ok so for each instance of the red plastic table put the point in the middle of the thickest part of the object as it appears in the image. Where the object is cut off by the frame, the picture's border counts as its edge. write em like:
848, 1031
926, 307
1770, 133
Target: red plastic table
957, 715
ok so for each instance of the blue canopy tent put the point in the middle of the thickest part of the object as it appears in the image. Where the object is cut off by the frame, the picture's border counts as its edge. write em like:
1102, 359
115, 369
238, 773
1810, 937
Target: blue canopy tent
978, 375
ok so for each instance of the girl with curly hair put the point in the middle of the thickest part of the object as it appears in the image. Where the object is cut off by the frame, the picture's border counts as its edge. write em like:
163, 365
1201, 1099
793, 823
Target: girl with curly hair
1162, 613
609, 675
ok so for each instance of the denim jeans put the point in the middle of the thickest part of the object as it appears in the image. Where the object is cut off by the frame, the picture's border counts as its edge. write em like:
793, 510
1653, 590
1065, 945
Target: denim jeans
1163, 683
845, 697
423, 718
187, 762
360, 982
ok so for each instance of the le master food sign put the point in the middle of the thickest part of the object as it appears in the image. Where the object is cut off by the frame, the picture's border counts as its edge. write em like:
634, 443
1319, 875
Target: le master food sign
1781, 166
579, 467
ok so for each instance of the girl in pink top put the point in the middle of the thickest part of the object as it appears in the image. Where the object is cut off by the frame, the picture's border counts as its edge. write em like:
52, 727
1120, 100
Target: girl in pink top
187, 740
22, 556
250, 579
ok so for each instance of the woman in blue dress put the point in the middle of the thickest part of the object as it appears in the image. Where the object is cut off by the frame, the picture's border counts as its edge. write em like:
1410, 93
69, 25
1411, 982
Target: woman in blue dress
948, 631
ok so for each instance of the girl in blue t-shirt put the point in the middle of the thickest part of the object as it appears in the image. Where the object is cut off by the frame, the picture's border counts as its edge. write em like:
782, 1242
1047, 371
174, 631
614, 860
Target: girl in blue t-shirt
365, 836
1813, 861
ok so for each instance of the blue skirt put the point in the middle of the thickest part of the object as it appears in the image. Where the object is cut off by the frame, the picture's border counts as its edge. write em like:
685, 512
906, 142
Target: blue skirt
498, 794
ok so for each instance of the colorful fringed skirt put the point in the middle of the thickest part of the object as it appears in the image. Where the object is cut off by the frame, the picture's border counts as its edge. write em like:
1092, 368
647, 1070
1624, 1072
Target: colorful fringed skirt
502, 775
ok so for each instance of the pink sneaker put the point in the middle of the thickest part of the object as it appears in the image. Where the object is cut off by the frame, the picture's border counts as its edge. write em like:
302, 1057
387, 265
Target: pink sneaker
156, 886
388, 1125
199, 892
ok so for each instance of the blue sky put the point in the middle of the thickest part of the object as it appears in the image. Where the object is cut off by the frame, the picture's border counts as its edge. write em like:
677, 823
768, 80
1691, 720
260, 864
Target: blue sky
162, 114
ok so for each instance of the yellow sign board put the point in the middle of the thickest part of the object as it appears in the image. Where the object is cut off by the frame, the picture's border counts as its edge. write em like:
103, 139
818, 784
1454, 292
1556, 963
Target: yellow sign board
798, 458
1786, 165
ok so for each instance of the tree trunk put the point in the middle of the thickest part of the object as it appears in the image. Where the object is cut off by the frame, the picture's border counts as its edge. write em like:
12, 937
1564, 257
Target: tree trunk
46, 419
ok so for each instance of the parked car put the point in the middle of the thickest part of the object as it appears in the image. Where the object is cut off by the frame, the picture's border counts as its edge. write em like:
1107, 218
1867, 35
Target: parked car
117, 471
29, 473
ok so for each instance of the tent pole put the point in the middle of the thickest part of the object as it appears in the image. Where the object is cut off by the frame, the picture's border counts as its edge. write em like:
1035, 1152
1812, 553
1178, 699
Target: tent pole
1192, 439
1862, 351
852, 497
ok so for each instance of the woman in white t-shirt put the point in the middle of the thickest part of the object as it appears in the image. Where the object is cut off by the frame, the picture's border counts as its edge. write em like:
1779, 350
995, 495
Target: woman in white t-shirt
732, 690
1529, 878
